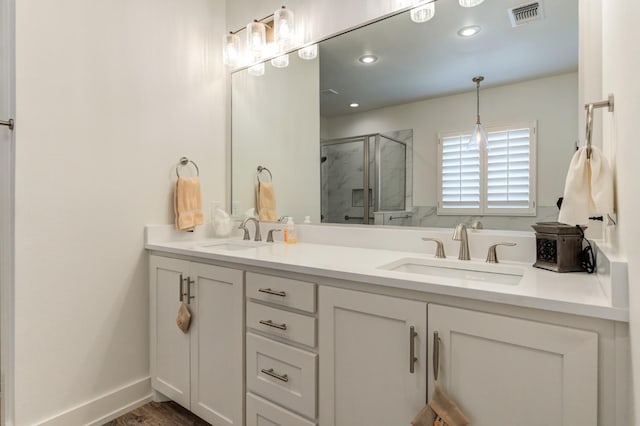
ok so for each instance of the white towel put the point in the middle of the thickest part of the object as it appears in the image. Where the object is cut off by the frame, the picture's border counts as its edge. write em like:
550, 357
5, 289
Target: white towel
588, 189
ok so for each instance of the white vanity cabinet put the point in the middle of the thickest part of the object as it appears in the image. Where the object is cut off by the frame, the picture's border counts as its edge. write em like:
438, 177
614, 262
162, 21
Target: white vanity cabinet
281, 358
373, 358
202, 369
508, 371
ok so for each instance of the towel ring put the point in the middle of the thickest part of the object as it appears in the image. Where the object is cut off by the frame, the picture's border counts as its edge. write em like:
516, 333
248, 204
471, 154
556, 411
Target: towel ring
264, 169
609, 103
183, 162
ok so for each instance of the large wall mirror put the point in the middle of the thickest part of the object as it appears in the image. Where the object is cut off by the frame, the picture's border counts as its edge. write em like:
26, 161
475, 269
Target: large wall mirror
384, 141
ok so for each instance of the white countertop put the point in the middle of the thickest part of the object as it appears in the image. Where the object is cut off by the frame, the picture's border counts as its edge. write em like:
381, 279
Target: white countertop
573, 293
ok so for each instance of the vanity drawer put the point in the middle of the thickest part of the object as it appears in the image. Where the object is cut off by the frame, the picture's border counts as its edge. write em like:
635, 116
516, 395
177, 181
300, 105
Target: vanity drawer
282, 291
261, 412
283, 374
296, 327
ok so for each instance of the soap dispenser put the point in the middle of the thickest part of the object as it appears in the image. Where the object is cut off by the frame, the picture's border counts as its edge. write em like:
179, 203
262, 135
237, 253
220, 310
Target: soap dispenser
290, 235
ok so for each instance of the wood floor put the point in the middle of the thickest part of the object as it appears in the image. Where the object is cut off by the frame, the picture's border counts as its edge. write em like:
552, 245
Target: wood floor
158, 414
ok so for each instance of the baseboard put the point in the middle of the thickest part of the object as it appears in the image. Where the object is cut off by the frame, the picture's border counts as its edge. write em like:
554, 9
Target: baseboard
105, 408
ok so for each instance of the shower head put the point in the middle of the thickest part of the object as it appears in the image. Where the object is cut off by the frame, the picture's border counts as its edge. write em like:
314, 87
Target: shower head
323, 159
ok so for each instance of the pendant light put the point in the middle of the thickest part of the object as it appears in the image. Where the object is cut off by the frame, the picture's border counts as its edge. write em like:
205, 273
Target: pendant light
281, 61
284, 28
470, 3
478, 139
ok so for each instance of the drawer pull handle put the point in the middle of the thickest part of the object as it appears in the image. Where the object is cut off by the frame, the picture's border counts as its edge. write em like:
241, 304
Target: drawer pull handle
270, 323
275, 375
412, 349
273, 292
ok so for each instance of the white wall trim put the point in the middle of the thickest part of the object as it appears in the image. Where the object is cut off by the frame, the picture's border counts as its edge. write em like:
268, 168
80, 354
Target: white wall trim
104, 408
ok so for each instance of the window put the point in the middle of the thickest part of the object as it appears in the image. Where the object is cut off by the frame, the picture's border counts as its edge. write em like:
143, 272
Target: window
498, 181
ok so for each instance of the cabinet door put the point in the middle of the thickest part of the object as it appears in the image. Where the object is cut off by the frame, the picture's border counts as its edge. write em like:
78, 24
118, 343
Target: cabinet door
507, 371
217, 344
364, 343
169, 345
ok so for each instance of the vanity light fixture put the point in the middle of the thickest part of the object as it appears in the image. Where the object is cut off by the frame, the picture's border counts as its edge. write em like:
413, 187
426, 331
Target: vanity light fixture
231, 51
470, 3
354, 105
469, 31
308, 52
368, 59
281, 61
273, 34
424, 12
284, 28
478, 139
256, 39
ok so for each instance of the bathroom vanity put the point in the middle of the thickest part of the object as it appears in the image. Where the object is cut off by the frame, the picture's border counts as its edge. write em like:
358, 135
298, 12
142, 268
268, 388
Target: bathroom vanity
317, 334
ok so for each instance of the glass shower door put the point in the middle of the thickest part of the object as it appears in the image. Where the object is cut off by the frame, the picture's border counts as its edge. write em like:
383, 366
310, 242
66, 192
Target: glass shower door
343, 177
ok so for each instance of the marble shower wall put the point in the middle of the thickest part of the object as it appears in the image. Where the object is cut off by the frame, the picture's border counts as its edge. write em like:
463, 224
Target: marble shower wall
342, 174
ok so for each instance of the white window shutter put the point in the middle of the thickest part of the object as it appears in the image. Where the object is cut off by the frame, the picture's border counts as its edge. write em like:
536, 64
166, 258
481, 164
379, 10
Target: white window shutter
509, 170
460, 174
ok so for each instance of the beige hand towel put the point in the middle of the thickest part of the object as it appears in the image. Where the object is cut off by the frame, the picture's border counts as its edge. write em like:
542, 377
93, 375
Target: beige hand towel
187, 203
183, 320
266, 201
442, 409
588, 189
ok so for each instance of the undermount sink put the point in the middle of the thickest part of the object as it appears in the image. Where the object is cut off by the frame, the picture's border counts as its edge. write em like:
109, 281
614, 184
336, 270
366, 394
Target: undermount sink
232, 245
490, 273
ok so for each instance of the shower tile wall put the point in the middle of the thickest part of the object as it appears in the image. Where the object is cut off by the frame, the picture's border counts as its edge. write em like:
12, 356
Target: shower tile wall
396, 175
342, 172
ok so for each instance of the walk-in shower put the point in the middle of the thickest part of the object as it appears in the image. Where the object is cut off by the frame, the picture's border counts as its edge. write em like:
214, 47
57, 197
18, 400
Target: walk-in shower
365, 174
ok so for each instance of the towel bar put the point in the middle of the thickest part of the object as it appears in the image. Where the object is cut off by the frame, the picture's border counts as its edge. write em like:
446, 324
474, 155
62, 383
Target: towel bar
183, 162
264, 169
590, 107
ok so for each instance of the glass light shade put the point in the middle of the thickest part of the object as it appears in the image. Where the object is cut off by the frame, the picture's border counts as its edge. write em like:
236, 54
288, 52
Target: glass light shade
256, 39
281, 61
470, 3
309, 52
478, 139
284, 28
256, 70
423, 13
231, 50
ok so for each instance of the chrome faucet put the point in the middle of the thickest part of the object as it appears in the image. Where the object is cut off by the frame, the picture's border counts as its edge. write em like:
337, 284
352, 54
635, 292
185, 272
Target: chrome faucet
243, 226
460, 234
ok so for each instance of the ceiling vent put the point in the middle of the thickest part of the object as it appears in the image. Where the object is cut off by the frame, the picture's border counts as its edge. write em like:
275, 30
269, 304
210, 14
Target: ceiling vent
328, 92
526, 13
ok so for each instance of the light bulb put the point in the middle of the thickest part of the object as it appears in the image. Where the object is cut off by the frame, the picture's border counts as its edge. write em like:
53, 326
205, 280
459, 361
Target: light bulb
281, 61
478, 139
256, 38
470, 3
308, 52
231, 52
423, 13
284, 28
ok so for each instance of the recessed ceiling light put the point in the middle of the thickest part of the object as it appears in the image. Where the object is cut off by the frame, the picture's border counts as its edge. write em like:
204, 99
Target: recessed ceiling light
368, 59
354, 105
469, 31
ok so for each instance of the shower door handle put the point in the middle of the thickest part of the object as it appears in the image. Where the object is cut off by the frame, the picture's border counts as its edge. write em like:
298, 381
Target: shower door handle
9, 123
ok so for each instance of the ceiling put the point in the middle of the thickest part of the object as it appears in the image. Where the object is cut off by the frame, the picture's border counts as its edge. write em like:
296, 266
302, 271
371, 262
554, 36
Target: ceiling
421, 61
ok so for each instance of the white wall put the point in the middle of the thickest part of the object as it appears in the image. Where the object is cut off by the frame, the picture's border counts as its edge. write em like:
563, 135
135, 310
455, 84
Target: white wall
109, 95
620, 77
551, 101
289, 148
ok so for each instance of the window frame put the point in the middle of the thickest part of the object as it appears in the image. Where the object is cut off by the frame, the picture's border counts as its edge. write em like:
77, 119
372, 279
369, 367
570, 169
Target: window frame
483, 210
